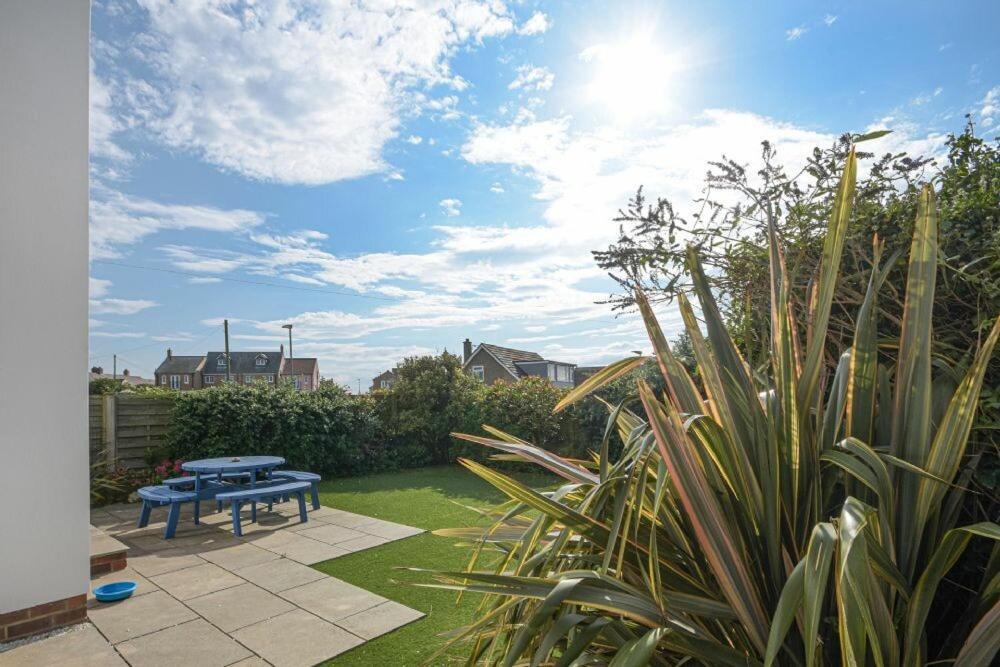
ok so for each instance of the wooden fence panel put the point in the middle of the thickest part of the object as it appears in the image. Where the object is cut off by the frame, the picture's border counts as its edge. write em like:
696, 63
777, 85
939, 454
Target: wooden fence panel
96, 435
141, 424
126, 428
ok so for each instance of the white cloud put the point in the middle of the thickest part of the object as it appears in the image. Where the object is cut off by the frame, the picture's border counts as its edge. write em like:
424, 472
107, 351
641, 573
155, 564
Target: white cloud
795, 33
497, 189
532, 78
414, 139
451, 207
301, 92
98, 287
536, 25
118, 220
119, 306
117, 334
203, 281
989, 109
830, 19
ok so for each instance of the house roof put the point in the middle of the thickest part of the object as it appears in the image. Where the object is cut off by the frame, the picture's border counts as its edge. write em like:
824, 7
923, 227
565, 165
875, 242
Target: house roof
506, 356
180, 364
385, 375
300, 366
125, 379
244, 362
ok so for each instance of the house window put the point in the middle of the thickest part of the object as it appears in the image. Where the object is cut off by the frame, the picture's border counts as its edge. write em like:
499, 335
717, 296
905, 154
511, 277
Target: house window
552, 372
562, 373
187, 379
163, 380
221, 361
209, 379
270, 379
175, 381
479, 373
261, 360
298, 383
385, 384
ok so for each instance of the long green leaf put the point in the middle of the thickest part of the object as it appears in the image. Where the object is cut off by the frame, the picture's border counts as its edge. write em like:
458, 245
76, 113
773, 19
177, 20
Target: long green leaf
983, 643
608, 374
951, 547
703, 512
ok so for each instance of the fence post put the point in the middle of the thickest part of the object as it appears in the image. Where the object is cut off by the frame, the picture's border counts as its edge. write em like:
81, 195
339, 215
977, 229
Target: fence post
111, 429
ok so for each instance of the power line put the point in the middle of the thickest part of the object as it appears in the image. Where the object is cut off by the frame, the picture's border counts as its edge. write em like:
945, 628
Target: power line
246, 281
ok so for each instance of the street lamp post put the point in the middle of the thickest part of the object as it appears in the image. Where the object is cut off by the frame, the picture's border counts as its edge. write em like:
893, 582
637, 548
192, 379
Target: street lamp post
289, 327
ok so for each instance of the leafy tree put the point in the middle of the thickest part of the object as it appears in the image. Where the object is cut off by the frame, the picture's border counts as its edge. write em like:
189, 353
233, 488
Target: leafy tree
729, 232
431, 398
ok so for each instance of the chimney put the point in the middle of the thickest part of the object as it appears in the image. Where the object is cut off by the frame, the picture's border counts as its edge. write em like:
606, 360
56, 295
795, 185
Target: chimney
170, 353
466, 350
281, 351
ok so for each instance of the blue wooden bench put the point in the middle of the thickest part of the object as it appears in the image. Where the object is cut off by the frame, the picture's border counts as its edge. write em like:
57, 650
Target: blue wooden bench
299, 476
268, 493
186, 482
158, 496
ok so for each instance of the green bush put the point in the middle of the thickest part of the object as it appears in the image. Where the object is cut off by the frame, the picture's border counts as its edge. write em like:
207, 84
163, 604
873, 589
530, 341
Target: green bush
326, 431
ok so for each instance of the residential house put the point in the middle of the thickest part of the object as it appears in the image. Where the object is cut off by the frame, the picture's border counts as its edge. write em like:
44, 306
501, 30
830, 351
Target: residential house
491, 364
125, 377
384, 380
270, 366
179, 372
304, 373
243, 367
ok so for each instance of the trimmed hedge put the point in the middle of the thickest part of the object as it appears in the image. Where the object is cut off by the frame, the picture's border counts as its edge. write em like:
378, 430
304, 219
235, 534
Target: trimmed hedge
336, 434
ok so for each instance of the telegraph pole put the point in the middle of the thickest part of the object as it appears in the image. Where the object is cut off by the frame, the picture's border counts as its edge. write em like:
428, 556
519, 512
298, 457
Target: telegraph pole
225, 329
114, 366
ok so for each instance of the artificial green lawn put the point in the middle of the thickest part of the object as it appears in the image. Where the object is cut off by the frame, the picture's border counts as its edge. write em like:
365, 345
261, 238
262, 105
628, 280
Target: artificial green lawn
428, 498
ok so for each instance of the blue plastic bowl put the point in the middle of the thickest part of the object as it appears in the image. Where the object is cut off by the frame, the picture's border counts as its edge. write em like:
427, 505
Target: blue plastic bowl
118, 590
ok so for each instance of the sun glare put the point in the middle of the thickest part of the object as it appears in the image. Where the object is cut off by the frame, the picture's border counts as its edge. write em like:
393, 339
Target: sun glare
631, 78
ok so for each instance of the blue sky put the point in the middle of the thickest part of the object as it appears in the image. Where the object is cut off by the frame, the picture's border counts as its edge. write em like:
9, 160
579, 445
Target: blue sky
392, 178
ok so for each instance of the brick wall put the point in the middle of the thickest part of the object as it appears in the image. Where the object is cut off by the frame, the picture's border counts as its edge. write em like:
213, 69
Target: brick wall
43, 617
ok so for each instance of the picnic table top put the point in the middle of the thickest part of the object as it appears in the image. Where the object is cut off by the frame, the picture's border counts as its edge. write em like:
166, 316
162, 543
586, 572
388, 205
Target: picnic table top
233, 463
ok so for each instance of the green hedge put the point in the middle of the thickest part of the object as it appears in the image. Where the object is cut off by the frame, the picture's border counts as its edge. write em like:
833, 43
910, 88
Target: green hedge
336, 434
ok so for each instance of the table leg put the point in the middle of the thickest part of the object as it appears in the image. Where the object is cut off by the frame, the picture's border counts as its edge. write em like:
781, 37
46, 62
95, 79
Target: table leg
197, 497
253, 503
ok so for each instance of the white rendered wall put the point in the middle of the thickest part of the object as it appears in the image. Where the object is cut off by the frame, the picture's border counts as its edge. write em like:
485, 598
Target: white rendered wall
44, 517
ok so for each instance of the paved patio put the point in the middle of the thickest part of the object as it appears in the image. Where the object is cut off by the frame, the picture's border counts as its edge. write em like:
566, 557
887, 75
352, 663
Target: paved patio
209, 598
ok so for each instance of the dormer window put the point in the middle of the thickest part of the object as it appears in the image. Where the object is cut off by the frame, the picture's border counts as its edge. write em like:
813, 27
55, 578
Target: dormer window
261, 360
221, 361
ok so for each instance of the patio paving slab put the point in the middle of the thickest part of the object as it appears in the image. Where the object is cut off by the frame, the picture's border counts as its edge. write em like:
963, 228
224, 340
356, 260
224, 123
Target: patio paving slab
137, 616
345, 519
161, 562
195, 581
280, 575
331, 534
142, 584
389, 530
296, 639
81, 646
253, 661
379, 620
310, 552
332, 599
234, 608
195, 644
362, 543
239, 556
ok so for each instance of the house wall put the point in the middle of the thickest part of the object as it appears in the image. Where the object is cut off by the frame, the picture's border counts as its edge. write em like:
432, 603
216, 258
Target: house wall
493, 370
44, 533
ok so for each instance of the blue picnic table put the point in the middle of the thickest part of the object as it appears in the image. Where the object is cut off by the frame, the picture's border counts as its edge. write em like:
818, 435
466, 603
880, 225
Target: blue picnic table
251, 465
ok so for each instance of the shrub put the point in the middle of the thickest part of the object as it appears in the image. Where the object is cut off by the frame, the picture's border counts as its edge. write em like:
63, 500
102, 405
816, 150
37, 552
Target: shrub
326, 431
784, 515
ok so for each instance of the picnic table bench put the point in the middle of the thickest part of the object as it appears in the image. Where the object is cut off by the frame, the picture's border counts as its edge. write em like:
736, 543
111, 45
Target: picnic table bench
269, 493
